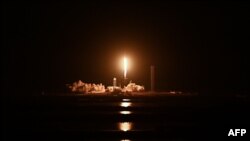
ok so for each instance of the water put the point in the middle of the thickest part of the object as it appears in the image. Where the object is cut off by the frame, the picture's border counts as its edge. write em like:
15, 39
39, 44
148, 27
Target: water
124, 117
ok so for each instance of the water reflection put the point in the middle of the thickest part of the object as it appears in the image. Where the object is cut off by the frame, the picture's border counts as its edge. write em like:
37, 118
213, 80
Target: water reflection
125, 112
125, 126
125, 104
125, 140
125, 99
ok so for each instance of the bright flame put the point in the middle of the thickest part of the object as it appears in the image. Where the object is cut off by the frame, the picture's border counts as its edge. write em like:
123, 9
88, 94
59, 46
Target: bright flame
125, 104
125, 126
125, 66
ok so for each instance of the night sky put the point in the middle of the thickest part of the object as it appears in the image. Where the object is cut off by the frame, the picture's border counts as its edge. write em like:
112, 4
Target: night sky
194, 46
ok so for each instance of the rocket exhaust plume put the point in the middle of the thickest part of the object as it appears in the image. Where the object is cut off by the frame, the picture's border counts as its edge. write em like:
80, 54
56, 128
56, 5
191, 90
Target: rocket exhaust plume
125, 66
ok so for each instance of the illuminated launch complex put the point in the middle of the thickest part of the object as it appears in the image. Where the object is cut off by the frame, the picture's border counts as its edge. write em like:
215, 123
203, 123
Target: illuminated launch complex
119, 86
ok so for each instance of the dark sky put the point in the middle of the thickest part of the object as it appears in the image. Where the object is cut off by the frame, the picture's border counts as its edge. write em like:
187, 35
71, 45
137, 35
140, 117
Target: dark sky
195, 46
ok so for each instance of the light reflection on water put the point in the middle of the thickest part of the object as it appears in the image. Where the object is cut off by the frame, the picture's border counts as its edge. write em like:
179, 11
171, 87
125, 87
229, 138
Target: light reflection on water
125, 126
125, 112
125, 99
125, 104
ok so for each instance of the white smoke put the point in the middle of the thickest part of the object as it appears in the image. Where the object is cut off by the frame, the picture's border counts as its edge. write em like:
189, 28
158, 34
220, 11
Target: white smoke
81, 87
